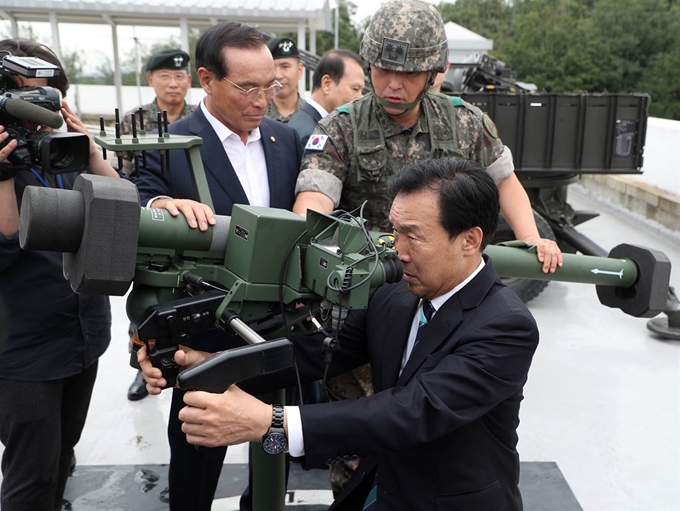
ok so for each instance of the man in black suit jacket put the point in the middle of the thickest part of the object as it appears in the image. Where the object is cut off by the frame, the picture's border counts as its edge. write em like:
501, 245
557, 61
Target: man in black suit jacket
248, 159
440, 433
338, 79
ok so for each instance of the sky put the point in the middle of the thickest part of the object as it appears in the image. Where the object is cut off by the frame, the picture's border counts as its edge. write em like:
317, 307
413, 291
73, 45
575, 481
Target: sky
99, 42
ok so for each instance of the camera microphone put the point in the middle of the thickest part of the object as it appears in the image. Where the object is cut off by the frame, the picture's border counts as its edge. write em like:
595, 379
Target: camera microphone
27, 111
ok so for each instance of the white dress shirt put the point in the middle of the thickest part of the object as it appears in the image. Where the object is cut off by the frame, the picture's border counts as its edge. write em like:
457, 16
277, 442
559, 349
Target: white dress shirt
246, 159
322, 111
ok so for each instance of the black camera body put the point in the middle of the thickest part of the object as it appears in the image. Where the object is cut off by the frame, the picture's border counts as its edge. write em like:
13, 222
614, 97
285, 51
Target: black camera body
23, 109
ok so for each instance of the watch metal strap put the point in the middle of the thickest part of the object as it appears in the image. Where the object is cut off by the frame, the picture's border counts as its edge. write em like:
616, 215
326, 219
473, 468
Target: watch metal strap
277, 416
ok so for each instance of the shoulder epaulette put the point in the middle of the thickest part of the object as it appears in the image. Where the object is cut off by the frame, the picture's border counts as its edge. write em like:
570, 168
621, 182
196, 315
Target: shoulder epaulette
456, 101
343, 109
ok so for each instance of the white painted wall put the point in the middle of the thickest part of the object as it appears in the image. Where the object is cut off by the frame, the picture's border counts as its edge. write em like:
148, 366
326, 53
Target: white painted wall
661, 165
101, 99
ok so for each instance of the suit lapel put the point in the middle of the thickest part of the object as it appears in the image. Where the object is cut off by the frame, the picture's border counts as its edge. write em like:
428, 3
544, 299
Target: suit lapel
215, 159
399, 318
273, 157
313, 112
447, 319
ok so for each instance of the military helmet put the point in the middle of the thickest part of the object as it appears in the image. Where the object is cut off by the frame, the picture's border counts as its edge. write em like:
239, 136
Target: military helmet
406, 35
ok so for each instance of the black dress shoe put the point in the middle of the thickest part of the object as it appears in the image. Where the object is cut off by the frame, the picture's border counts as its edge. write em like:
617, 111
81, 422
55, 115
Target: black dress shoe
165, 495
138, 390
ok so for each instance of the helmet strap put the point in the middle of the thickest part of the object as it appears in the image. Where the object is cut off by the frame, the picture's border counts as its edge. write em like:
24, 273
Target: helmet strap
406, 107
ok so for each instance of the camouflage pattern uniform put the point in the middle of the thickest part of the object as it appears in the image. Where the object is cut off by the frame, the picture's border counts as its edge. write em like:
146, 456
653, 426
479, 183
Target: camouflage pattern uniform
273, 113
151, 112
358, 157
356, 148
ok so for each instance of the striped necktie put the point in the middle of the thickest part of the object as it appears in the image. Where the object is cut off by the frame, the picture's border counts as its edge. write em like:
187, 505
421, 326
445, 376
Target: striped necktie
426, 312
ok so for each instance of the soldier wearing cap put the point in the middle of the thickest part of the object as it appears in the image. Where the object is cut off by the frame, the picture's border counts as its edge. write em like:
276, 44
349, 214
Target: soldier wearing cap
289, 71
167, 72
356, 148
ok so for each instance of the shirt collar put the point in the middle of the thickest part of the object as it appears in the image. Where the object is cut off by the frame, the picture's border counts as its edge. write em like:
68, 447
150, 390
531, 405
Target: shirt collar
322, 111
441, 300
222, 132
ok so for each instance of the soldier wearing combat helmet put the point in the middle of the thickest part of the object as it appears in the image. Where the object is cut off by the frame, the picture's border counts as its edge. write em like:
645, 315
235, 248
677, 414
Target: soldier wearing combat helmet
354, 150
357, 147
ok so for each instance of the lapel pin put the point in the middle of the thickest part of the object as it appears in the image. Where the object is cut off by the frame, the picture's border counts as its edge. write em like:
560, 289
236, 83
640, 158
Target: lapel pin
272, 138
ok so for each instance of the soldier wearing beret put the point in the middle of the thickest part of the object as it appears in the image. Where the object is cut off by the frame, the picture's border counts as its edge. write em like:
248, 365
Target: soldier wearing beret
289, 71
167, 72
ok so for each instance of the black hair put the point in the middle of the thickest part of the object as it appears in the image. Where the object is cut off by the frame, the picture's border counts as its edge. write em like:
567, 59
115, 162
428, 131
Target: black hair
231, 34
26, 48
468, 196
332, 63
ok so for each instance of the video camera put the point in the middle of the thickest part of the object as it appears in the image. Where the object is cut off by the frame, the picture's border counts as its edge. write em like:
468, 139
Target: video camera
57, 153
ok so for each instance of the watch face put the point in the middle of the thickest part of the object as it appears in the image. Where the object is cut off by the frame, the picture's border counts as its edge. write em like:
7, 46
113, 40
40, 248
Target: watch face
275, 443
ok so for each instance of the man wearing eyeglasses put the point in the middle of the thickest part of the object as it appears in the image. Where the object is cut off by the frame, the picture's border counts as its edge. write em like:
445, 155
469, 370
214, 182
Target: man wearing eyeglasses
167, 72
248, 159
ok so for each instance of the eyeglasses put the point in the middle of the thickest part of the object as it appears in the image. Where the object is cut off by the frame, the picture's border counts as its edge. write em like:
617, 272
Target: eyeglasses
254, 93
166, 77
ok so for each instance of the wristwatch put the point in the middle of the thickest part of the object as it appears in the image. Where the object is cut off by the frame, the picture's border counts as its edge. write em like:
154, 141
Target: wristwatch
275, 441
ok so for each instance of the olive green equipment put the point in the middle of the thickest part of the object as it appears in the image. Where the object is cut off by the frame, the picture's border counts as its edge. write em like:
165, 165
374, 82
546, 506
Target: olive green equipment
259, 273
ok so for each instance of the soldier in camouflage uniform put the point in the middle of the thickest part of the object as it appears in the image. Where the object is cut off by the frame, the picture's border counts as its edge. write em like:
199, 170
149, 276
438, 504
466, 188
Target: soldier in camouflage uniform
289, 71
168, 73
356, 148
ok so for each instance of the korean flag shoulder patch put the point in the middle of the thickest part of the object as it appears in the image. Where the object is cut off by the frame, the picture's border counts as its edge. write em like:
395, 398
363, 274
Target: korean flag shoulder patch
316, 143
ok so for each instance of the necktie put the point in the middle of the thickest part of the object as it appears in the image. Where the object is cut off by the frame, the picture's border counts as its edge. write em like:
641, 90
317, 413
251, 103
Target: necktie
425, 317
426, 313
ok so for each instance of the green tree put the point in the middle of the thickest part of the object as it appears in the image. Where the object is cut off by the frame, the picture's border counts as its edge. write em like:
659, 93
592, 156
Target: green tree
638, 34
661, 82
489, 18
73, 65
553, 46
349, 37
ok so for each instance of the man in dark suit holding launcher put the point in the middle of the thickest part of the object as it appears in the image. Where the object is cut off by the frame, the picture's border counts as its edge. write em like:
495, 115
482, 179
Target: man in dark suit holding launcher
450, 348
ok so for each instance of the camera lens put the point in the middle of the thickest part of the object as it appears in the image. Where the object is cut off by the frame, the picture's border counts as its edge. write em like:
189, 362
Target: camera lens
60, 156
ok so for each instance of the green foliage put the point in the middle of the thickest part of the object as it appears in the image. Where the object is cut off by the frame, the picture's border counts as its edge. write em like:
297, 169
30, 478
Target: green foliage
662, 82
349, 37
489, 18
584, 45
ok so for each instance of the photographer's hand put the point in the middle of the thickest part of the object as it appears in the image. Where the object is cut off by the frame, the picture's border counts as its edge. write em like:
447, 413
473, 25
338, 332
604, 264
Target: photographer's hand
9, 211
98, 165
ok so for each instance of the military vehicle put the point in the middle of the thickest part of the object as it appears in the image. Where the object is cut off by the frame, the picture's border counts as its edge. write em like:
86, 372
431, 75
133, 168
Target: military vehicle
554, 139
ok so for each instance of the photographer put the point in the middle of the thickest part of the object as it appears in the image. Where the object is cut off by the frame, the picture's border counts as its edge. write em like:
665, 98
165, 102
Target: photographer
48, 362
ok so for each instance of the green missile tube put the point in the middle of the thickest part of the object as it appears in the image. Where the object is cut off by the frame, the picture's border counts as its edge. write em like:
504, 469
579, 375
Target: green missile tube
520, 261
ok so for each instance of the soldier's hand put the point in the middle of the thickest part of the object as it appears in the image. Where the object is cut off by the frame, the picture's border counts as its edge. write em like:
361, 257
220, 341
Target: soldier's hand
197, 214
547, 252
